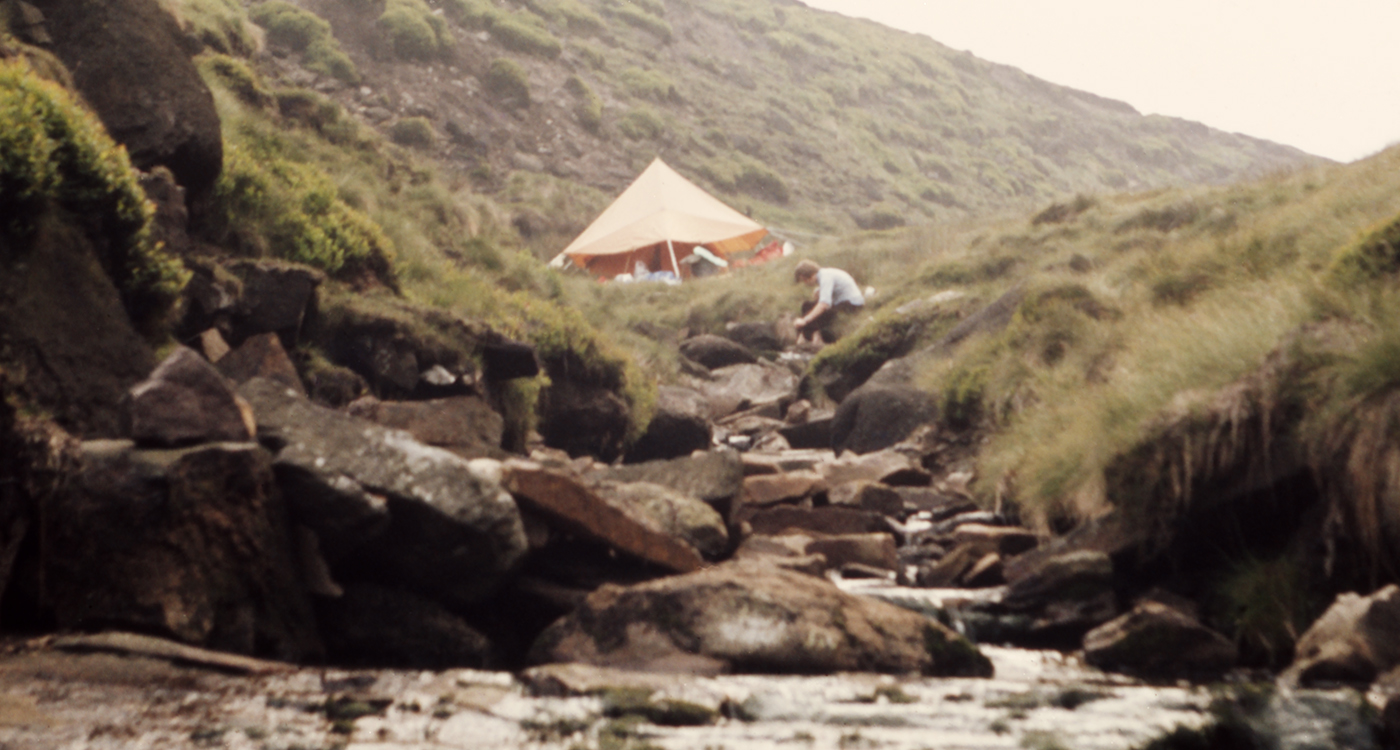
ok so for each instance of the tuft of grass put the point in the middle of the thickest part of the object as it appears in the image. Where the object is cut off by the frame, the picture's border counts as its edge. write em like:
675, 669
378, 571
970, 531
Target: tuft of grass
414, 31
522, 32
1264, 605
641, 124
1375, 255
644, 20
415, 132
508, 83
303, 31
219, 25
238, 76
589, 109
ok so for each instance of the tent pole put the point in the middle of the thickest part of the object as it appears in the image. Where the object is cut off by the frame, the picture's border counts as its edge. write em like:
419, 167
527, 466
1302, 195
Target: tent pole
674, 265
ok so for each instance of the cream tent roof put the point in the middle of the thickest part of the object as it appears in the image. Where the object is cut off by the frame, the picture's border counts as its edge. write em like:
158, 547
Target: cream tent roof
660, 206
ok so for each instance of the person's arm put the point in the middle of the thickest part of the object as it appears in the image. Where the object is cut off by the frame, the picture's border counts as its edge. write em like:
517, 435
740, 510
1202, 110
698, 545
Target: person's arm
818, 309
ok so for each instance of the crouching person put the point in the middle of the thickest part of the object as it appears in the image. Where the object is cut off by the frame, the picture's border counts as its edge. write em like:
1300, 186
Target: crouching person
835, 295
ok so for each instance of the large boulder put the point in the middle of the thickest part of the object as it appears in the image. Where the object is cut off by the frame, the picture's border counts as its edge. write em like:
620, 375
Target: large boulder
1156, 641
261, 356
193, 544
568, 503
758, 337
69, 346
276, 297
743, 387
716, 351
386, 508
679, 427
1355, 640
1058, 598
876, 417
186, 401
127, 61
678, 514
750, 617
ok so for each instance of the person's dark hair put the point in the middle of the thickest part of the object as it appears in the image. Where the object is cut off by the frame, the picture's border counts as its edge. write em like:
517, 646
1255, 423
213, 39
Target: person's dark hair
805, 270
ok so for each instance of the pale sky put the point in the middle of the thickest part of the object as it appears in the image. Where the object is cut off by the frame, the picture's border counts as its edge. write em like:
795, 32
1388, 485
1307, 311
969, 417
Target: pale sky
1323, 76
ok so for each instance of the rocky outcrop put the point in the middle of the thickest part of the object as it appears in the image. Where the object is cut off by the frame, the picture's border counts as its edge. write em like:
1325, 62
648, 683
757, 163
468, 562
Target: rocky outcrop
749, 617
1354, 641
876, 417
260, 356
742, 387
1156, 641
127, 61
1059, 598
682, 516
193, 544
584, 420
386, 508
713, 477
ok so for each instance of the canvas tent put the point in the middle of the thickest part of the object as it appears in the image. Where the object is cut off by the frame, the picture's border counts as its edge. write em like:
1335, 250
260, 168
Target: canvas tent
659, 220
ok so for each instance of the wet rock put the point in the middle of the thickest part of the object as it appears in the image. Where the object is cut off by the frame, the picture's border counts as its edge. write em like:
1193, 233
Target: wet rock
1355, 640
813, 433
190, 543
682, 516
260, 356
986, 572
679, 428
186, 401
127, 61
746, 617
1061, 597
877, 417
715, 352
1159, 642
949, 569
867, 495
387, 508
571, 504
713, 477
584, 420
465, 425
1007, 541
373, 626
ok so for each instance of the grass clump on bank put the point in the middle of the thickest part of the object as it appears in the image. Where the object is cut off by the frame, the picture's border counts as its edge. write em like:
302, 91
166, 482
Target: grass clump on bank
414, 31
304, 32
55, 155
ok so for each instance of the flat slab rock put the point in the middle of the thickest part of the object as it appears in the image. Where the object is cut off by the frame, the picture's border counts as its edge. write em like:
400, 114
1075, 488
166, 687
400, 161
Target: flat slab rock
752, 617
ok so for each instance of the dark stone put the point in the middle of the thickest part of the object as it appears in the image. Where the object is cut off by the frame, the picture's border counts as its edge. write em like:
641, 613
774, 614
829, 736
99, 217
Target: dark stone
465, 425
186, 401
193, 544
825, 520
127, 60
507, 360
815, 434
758, 337
276, 298
64, 335
261, 356
716, 351
678, 429
1159, 642
877, 417
376, 627
584, 420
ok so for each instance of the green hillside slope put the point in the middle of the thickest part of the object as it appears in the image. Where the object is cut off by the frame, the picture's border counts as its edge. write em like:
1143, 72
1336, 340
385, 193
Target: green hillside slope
805, 118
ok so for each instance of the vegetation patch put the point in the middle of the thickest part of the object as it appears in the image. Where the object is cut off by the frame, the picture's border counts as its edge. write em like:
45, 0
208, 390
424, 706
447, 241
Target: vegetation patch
55, 154
644, 20
237, 76
589, 109
641, 124
304, 32
1374, 256
508, 83
415, 132
522, 32
220, 25
414, 31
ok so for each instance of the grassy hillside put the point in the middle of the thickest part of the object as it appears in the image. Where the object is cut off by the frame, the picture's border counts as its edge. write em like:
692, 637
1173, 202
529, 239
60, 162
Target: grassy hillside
810, 120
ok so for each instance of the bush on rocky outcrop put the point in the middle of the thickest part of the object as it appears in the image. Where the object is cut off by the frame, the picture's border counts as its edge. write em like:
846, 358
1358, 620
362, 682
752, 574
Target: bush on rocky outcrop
53, 154
274, 206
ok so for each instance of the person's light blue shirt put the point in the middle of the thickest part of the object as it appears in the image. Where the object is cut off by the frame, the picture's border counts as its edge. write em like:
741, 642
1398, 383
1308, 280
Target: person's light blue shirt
835, 286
